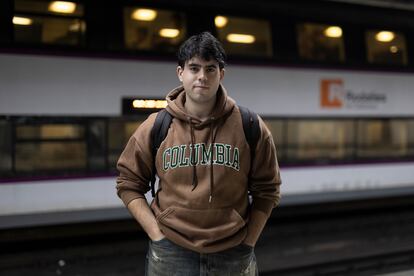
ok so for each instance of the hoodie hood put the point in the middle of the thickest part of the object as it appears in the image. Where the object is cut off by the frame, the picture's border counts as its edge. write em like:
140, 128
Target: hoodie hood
176, 100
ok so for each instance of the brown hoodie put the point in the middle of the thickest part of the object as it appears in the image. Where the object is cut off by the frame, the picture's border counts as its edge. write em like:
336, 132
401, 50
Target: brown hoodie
200, 206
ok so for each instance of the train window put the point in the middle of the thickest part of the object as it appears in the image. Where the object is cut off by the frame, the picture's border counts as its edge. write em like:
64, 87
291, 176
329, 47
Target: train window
243, 36
319, 139
96, 141
384, 138
60, 146
53, 156
94, 144
410, 138
320, 42
119, 131
5, 148
276, 128
386, 47
49, 131
153, 29
49, 22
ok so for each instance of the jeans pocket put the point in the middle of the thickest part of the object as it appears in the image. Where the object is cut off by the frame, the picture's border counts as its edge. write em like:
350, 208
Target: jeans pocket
251, 268
244, 249
162, 243
159, 241
246, 246
247, 259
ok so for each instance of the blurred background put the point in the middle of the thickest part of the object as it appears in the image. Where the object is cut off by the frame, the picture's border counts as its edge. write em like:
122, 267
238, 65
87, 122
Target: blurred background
333, 80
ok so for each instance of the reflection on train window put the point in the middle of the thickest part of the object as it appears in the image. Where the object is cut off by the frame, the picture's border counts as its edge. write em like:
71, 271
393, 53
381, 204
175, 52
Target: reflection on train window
276, 128
5, 147
153, 29
50, 146
97, 144
242, 36
384, 138
44, 156
49, 22
49, 131
410, 138
119, 132
320, 139
386, 47
320, 42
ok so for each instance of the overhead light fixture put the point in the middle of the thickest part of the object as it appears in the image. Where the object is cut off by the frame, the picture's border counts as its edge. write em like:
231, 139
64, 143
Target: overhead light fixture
149, 103
384, 36
241, 38
62, 7
144, 14
24, 21
169, 33
333, 32
220, 21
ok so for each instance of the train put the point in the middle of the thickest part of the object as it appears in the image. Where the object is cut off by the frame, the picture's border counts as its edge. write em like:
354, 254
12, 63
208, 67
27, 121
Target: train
343, 123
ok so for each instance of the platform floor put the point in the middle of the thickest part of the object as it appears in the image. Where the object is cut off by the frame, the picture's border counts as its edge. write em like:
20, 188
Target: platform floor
399, 273
329, 240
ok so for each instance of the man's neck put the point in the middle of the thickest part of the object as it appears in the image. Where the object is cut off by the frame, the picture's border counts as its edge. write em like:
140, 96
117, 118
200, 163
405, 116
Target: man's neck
201, 111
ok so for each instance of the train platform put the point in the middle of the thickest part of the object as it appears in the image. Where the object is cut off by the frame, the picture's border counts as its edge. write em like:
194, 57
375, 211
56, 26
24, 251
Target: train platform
399, 273
299, 241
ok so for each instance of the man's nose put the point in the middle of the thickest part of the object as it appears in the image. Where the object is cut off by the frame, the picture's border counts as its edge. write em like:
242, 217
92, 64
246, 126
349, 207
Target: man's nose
202, 76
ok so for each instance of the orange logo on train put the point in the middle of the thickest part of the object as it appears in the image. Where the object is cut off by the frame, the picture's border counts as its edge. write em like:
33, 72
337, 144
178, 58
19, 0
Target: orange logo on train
332, 93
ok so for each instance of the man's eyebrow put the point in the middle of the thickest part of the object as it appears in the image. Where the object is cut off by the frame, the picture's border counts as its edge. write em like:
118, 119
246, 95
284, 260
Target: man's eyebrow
199, 65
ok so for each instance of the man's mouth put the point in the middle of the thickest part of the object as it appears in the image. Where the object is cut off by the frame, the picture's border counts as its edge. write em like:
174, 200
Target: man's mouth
201, 86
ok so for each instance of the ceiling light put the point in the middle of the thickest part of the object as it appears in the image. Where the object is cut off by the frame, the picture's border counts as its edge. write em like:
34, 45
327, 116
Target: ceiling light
220, 21
170, 33
22, 20
241, 38
62, 7
144, 14
384, 36
333, 31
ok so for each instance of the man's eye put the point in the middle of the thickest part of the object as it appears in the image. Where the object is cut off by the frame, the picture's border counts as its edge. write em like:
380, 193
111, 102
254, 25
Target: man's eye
193, 69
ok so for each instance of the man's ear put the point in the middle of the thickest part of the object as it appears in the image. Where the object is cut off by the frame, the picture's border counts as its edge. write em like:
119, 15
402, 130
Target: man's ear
222, 74
180, 73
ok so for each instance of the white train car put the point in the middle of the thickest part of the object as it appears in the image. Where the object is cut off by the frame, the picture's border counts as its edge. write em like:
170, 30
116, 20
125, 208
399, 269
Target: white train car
83, 86
343, 122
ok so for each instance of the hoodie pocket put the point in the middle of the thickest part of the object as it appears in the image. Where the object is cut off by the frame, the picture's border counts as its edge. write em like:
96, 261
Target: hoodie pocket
202, 227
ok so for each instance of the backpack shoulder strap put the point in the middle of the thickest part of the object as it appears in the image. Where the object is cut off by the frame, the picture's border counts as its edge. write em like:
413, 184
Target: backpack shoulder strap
158, 133
251, 128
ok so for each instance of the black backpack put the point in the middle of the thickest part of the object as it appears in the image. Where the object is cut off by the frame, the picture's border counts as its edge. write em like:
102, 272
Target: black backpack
162, 124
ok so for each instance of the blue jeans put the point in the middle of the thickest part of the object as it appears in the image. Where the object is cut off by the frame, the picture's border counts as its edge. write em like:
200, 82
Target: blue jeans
165, 258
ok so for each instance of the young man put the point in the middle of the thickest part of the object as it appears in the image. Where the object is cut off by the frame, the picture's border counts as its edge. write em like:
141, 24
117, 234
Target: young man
201, 221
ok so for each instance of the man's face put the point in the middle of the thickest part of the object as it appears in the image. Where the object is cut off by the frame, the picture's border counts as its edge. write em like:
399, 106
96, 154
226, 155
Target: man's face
200, 79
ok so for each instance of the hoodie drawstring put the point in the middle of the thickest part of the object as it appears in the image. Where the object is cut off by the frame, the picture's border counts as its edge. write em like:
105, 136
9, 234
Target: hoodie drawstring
211, 163
213, 141
193, 155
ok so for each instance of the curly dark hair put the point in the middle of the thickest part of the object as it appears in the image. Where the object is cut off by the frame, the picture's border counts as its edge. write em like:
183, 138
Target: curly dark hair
204, 45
